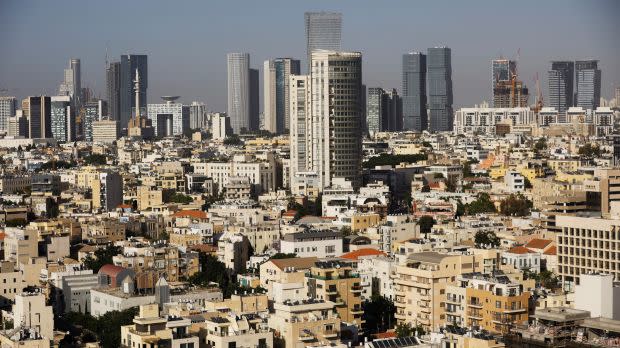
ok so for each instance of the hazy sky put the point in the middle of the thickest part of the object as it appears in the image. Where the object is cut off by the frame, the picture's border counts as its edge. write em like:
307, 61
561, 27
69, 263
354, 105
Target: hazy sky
187, 41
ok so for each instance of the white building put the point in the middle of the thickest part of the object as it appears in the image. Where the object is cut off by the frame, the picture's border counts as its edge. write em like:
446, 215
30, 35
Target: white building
375, 273
30, 311
220, 126
260, 171
76, 292
198, 115
319, 244
598, 294
514, 181
333, 135
105, 131
547, 116
7, 110
170, 118
483, 120
233, 250
522, 258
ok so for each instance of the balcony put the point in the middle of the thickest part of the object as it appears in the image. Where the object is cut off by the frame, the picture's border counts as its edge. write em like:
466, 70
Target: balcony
356, 289
514, 310
339, 302
356, 311
306, 336
475, 304
330, 334
331, 291
474, 315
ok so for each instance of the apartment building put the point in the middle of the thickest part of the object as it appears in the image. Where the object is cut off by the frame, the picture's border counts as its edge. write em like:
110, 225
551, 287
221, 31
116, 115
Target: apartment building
420, 286
10, 283
335, 281
101, 231
306, 323
225, 331
149, 329
491, 302
289, 270
310, 243
587, 245
20, 244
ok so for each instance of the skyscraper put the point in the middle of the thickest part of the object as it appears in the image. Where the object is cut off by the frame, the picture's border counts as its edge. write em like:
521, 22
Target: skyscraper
560, 80
414, 92
323, 32
94, 111
38, 112
239, 91
113, 89
198, 115
276, 79
129, 64
8, 105
440, 89
383, 111
588, 80
332, 132
72, 83
254, 100
62, 119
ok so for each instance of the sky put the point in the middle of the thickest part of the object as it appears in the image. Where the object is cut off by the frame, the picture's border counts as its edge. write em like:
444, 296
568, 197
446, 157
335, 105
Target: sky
187, 41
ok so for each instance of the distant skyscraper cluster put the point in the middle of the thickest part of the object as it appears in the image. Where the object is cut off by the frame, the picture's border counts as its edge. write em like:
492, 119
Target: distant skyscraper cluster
439, 74
276, 90
323, 32
574, 84
414, 91
508, 90
383, 111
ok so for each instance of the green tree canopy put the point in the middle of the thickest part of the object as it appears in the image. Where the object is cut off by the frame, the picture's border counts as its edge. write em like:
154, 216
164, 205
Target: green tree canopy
103, 256
392, 160
486, 238
214, 271
426, 223
516, 205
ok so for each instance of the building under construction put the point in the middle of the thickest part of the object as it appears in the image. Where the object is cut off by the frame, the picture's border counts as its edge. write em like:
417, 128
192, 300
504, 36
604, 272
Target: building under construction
508, 90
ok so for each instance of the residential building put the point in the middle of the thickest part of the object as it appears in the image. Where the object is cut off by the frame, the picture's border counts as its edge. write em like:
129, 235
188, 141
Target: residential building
598, 294
30, 311
284, 271
472, 121
11, 283
151, 329
522, 258
415, 116
306, 322
198, 115
224, 331
105, 131
336, 281
276, 88
300, 126
439, 68
221, 127
76, 292
233, 250
310, 243
514, 181
107, 190
94, 111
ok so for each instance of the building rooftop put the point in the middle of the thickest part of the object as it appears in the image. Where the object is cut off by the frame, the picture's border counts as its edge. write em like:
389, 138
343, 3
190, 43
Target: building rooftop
295, 262
560, 314
427, 257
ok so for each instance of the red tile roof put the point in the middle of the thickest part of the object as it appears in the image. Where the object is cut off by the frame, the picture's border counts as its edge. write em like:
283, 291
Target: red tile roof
387, 334
520, 250
551, 251
194, 214
354, 255
538, 243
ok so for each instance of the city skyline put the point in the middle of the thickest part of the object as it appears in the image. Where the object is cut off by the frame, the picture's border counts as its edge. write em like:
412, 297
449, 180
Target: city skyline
200, 73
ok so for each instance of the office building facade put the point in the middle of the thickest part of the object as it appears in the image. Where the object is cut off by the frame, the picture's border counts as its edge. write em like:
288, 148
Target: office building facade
276, 79
62, 123
254, 100
128, 66
94, 111
72, 84
439, 67
169, 118
560, 79
414, 92
383, 111
198, 115
8, 105
239, 91
38, 112
113, 89
588, 81
323, 32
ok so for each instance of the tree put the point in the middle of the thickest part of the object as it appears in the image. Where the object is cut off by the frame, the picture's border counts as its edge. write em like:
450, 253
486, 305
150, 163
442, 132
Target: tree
481, 205
425, 188
106, 327
16, 222
95, 159
378, 314
486, 238
180, 198
214, 271
277, 256
541, 144
103, 256
589, 150
516, 205
392, 160
233, 140
426, 223
406, 330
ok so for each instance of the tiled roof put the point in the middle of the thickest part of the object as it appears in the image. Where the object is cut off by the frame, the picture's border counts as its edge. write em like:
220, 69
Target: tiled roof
520, 250
538, 243
295, 262
354, 255
194, 214
551, 251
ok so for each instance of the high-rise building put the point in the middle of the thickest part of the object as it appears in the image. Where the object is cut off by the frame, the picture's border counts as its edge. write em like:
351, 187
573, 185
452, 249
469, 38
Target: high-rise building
94, 111
301, 124
107, 192
276, 81
383, 111
113, 89
617, 97
129, 64
560, 80
38, 112
8, 105
414, 92
439, 67
588, 81
104, 131
169, 118
62, 119
333, 127
198, 115
254, 100
502, 70
17, 126
323, 32
508, 90
72, 84
239, 91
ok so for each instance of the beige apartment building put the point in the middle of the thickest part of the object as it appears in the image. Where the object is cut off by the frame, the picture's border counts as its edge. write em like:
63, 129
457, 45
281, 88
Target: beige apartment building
420, 287
284, 271
306, 323
587, 245
151, 330
336, 282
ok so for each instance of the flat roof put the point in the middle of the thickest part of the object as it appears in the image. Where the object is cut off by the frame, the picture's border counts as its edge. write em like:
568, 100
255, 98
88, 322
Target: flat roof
561, 314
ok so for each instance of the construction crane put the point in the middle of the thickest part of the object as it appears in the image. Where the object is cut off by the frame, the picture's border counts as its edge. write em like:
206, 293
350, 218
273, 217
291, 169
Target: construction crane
539, 96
